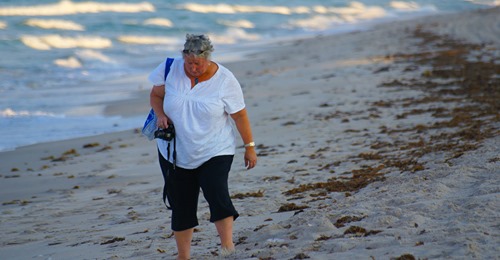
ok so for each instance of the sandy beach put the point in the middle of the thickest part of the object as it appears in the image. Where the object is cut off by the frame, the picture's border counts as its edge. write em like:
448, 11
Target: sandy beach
379, 144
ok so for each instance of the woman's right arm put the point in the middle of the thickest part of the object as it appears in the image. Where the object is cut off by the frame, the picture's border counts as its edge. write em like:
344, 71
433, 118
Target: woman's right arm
156, 100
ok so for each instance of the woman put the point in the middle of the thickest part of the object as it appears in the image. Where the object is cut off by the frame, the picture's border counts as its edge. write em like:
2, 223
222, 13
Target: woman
198, 97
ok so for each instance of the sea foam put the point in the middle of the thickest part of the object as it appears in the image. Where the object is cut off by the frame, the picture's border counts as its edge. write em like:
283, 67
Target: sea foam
67, 7
239, 23
408, 6
9, 112
70, 62
93, 55
136, 39
233, 35
48, 42
54, 24
485, 2
326, 17
159, 22
233, 9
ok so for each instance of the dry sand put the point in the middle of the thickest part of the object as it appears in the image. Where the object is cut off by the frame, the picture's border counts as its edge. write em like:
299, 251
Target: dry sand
381, 144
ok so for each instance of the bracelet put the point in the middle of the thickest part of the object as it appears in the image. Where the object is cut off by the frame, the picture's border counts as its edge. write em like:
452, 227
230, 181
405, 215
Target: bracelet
251, 144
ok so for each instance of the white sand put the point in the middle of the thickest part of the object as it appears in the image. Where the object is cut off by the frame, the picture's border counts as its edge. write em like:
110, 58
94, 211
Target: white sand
311, 107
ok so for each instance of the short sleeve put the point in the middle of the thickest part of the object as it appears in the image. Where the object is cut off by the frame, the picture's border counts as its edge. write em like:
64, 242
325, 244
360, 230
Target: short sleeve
232, 95
156, 77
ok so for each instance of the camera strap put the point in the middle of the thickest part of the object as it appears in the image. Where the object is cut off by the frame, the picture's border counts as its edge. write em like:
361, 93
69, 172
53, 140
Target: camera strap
168, 64
174, 153
174, 156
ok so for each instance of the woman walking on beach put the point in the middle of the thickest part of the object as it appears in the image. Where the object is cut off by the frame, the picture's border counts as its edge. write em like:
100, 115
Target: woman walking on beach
198, 97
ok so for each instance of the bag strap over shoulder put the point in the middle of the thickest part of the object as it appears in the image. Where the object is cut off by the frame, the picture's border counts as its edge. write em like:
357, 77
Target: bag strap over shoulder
150, 124
168, 63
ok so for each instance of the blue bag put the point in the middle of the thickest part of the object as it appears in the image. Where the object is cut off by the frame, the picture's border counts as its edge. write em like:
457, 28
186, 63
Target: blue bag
150, 127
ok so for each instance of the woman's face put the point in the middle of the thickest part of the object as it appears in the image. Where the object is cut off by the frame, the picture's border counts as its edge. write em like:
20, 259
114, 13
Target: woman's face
195, 66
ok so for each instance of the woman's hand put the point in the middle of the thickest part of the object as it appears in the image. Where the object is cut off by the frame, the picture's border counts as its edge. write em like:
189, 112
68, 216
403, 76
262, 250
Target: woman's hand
250, 157
243, 125
156, 100
162, 121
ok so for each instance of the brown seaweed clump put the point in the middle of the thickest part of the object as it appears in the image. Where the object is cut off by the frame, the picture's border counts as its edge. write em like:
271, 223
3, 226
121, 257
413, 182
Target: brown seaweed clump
257, 194
467, 101
460, 92
360, 179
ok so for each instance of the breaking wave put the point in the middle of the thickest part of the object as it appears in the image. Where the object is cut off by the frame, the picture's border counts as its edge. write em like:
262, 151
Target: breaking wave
328, 16
135, 39
48, 42
70, 62
159, 22
93, 55
66, 7
8, 112
239, 23
233, 35
233, 9
54, 24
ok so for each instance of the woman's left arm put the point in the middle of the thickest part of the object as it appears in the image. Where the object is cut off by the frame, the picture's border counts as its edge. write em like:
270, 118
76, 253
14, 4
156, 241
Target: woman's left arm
243, 125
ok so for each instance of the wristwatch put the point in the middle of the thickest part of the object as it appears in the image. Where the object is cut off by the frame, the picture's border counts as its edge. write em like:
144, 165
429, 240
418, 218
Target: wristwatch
251, 144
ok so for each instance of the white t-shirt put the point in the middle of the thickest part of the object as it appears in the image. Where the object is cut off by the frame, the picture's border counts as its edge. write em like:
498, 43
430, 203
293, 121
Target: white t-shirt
200, 115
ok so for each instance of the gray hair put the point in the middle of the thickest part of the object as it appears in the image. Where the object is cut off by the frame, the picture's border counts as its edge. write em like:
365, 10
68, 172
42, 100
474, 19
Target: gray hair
198, 45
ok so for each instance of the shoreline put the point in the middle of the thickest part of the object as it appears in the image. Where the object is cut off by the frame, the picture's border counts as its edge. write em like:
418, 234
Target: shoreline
373, 143
138, 87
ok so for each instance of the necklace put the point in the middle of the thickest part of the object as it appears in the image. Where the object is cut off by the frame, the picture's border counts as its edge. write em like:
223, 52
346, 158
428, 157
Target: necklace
197, 79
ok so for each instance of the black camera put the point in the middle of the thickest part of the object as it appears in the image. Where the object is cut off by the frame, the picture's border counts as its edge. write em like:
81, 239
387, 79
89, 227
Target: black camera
166, 134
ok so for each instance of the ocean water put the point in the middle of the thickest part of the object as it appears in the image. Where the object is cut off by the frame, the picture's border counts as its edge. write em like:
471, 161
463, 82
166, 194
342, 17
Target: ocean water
54, 53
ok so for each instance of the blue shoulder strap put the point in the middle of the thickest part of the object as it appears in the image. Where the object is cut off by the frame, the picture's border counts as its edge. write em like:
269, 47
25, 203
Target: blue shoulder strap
168, 63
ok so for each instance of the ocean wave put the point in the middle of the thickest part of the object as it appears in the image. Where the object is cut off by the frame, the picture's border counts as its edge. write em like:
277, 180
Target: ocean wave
354, 9
9, 112
71, 62
328, 16
136, 39
322, 17
233, 35
239, 23
331, 17
54, 24
318, 22
406, 6
159, 22
485, 2
93, 55
48, 42
66, 7
233, 9
3, 25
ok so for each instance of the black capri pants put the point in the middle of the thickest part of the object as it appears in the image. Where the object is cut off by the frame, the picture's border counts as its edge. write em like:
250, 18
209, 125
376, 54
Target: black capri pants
182, 189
